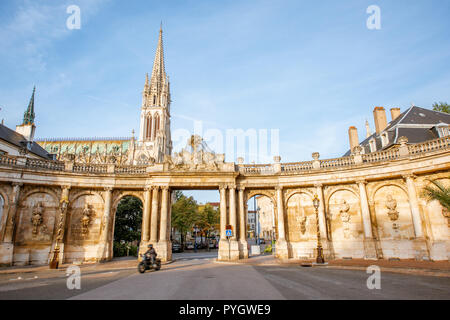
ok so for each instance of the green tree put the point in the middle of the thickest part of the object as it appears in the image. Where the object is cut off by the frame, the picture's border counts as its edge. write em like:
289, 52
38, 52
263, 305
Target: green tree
184, 214
127, 226
441, 106
208, 219
437, 191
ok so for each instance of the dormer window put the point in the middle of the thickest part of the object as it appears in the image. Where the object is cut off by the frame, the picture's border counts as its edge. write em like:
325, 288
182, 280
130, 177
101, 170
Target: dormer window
443, 130
372, 145
384, 139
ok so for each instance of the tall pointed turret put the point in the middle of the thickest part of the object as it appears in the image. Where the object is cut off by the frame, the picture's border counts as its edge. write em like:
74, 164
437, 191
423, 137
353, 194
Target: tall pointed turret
28, 116
27, 127
154, 133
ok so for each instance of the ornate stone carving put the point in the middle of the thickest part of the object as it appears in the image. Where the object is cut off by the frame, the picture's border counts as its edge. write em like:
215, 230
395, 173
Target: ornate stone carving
391, 205
344, 209
195, 156
85, 219
301, 220
36, 218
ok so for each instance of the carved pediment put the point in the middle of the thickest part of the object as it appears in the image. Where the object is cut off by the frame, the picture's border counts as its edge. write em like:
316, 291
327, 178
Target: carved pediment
195, 156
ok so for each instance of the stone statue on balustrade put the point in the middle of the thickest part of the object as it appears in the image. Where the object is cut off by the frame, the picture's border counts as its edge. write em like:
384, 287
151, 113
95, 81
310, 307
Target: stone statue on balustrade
195, 156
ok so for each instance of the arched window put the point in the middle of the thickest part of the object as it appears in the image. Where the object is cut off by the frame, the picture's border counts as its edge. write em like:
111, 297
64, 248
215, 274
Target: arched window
149, 127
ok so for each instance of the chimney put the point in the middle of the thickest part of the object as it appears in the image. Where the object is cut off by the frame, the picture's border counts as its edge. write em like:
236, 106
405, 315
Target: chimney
395, 112
379, 115
353, 137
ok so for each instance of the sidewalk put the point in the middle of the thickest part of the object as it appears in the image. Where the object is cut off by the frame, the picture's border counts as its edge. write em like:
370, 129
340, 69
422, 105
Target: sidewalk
44, 271
429, 268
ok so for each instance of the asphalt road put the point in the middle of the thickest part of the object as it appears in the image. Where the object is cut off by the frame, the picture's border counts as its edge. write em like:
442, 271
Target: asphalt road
198, 276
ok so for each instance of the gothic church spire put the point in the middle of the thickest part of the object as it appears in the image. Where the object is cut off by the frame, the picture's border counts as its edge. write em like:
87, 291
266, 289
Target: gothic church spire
28, 117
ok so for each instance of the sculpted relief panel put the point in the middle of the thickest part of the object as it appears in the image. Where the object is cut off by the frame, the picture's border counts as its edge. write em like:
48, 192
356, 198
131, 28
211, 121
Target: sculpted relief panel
393, 213
37, 218
84, 218
301, 218
345, 216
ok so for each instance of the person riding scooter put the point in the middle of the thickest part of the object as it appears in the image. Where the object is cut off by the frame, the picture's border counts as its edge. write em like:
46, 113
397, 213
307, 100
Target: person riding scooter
151, 253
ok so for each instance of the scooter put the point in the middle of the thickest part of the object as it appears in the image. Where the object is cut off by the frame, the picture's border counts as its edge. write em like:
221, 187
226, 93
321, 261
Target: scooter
146, 264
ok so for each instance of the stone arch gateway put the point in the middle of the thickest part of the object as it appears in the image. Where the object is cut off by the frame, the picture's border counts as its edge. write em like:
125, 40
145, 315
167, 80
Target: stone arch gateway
92, 192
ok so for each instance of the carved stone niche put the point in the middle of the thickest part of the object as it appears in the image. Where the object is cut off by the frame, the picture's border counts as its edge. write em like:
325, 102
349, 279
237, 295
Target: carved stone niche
391, 205
85, 219
37, 217
344, 212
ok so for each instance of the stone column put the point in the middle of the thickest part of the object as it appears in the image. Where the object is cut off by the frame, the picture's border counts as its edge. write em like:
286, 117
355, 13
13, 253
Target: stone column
11, 214
7, 246
154, 219
369, 242
225, 252
233, 220
105, 241
281, 245
164, 247
58, 239
243, 249
223, 211
420, 244
233, 253
412, 195
146, 215
164, 214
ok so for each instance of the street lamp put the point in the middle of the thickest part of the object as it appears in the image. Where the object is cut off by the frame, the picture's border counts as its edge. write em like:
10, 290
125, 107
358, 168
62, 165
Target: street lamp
320, 259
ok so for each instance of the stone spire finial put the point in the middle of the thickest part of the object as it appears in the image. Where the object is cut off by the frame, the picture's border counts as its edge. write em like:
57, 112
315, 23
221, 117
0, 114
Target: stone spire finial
158, 72
368, 132
28, 117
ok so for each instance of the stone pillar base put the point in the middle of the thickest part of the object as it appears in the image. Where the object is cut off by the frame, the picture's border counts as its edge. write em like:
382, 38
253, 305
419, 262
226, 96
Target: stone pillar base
228, 251
438, 251
6, 254
164, 250
281, 249
420, 248
243, 249
370, 249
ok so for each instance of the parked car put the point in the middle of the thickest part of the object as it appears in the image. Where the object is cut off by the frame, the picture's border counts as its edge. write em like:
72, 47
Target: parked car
189, 245
176, 247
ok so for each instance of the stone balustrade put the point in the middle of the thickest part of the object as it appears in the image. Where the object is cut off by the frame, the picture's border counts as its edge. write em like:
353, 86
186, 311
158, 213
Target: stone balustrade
394, 153
8, 160
429, 146
381, 156
44, 164
90, 168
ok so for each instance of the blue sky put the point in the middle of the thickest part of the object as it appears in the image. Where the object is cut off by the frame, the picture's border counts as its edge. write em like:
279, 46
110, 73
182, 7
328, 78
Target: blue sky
310, 69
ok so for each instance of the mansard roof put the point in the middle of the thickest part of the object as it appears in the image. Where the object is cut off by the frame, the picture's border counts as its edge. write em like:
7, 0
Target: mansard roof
415, 123
18, 140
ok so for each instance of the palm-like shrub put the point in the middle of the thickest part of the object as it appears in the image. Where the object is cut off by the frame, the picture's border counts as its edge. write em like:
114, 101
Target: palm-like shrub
437, 191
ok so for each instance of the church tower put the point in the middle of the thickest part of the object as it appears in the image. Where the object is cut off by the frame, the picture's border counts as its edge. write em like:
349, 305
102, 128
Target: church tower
154, 135
27, 128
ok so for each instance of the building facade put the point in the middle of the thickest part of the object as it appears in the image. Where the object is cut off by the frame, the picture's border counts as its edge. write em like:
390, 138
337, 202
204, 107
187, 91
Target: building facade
370, 204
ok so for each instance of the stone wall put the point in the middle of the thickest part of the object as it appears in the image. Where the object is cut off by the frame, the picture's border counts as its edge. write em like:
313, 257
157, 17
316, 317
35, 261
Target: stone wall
374, 209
